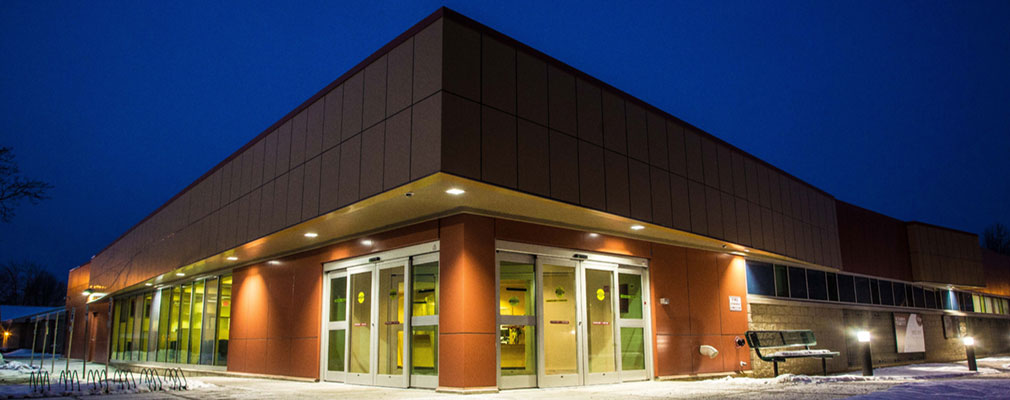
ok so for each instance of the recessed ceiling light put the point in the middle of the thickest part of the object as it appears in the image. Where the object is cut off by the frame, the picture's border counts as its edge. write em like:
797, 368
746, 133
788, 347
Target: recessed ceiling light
366, 242
746, 250
594, 235
232, 258
455, 191
274, 262
148, 284
180, 274
311, 234
637, 227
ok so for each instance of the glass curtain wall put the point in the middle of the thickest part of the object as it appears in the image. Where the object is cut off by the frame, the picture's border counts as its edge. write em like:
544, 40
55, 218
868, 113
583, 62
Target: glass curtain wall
186, 324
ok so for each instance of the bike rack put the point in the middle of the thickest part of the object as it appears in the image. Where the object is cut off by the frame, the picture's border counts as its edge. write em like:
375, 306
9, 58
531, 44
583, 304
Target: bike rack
98, 379
150, 377
39, 381
176, 378
68, 379
124, 379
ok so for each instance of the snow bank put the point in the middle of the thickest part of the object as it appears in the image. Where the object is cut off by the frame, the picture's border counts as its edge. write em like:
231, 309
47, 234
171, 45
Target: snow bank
905, 372
956, 389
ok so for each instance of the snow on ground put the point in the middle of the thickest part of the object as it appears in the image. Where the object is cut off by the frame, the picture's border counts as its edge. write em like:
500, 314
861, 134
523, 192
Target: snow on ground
898, 373
947, 389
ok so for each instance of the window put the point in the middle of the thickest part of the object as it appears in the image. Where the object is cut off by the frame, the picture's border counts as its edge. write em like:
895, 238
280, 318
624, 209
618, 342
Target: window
862, 290
223, 322
760, 279
930, 296
886, 293
424, 310
846, 289
900, 299
781, 281
920, 300
832, 286
874, 291
797, 283
816, 285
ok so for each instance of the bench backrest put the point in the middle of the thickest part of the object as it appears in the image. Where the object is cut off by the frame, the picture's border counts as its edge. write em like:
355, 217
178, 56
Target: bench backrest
767, 339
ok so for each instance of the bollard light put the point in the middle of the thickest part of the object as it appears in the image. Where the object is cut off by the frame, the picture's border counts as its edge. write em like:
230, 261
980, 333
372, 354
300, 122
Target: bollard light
969, 352
864, 342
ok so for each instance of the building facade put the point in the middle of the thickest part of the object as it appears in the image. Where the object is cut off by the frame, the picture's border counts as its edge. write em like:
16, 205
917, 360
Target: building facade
460, 211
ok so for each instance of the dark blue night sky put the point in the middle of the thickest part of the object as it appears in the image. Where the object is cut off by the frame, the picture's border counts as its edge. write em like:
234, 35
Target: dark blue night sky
899, 107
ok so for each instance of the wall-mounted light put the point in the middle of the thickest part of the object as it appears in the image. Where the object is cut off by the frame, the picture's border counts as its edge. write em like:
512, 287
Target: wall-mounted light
863, 336
592, 235
88, 292
455, 191
274, 262
637, 227
311, 234
148, 284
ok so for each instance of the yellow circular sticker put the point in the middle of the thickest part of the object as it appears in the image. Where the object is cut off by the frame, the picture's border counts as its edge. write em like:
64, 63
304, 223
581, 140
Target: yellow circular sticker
361, 297
600, 294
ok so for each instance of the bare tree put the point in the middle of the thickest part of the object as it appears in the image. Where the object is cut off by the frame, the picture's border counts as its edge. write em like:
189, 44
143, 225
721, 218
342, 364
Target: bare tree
28, 284
997, 238
14, 187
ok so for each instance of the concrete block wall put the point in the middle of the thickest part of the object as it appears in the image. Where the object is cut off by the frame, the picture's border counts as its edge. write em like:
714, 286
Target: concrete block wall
822, 320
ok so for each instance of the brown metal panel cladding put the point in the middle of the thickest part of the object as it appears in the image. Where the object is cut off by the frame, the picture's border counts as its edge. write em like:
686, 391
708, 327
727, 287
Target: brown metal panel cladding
592, 177
283, 163
399, 80
770, 230
531, 88
253, 225
461, 136
792, 239
374, 98
743, 221
675, 144
461, 60
498, 136
729, 218
534, 158
713, 209
710, 162
658, 148
797, 210
753, 193
661, 209
233, 177
765, 176
615, 135
732, 282
314, 129
426, 137
310, 189
332, 123
396, 167
296, 180
562, 112
699, 217
299, 127
564, 167
590, 112
725, 156
350, 114
618, 188
350, 171
498, 75
873, 243
740, 175
267, 208
756, 228
641, 193
680, 202
256, 173
241, 221
372, 155
777, 192
428, 61
997, 273
695, 164
329, 180
638, 132
269, 161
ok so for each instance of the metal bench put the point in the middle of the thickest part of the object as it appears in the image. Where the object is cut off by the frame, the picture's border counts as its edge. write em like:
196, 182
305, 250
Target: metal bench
790, 344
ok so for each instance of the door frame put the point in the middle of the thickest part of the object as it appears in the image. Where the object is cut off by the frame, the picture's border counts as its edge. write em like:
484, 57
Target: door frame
582, 259
515, 381
373, 263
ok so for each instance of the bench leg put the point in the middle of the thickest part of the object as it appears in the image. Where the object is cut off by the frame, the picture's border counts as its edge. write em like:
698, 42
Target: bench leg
775, 366
824, 366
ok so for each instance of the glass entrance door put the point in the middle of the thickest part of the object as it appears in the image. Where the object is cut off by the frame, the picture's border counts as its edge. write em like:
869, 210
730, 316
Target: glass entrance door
335, 320
598, 325
517, 340
560, 344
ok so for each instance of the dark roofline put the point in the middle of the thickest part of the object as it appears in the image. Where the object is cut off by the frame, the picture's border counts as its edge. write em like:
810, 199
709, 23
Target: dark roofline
941, 227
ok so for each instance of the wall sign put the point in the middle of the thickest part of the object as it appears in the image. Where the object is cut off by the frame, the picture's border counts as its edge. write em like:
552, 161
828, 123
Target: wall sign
735, 304
908, 333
